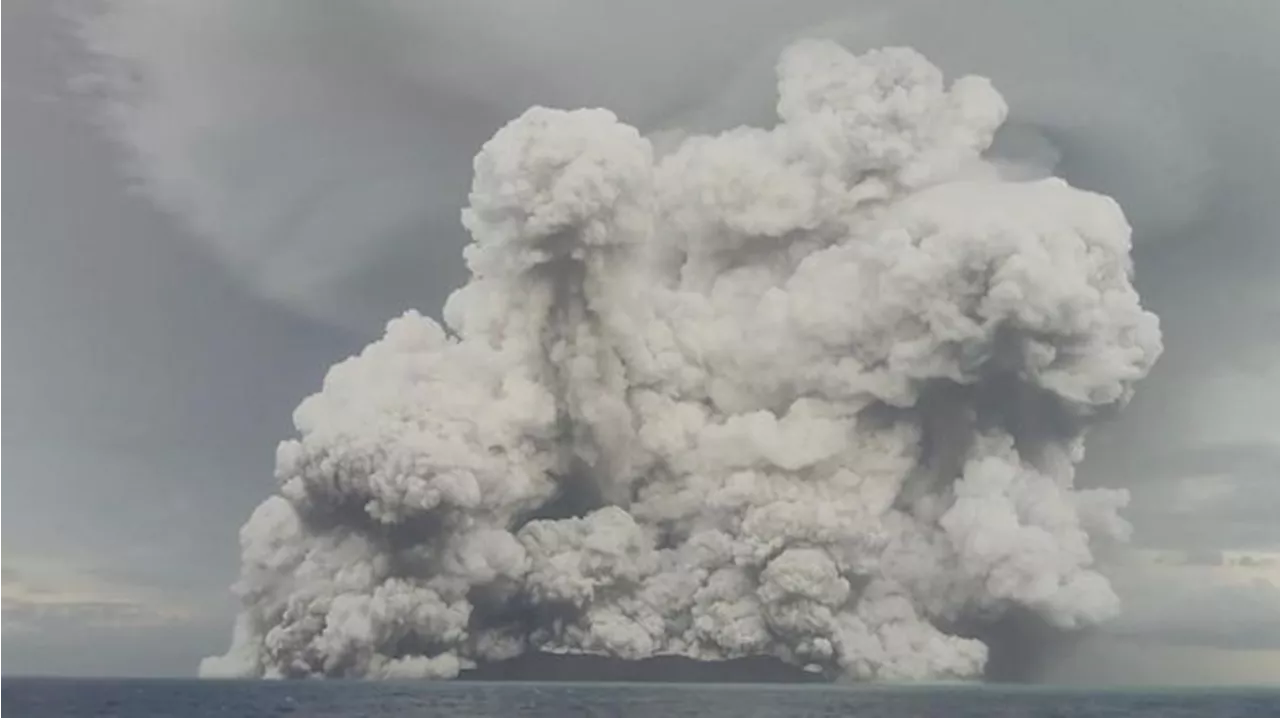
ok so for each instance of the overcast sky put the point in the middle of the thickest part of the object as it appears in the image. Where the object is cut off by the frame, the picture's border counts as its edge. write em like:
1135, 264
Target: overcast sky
153, 363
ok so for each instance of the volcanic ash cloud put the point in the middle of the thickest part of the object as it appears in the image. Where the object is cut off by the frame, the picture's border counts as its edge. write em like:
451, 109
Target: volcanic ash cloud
814, 392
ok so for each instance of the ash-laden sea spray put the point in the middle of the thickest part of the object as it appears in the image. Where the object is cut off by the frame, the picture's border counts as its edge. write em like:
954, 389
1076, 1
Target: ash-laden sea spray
814, 392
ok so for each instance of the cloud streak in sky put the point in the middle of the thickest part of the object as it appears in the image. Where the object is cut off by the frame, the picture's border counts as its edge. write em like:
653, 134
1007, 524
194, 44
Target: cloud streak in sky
319, 151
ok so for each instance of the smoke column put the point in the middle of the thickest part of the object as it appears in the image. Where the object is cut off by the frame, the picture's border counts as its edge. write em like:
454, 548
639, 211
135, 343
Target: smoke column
814, 392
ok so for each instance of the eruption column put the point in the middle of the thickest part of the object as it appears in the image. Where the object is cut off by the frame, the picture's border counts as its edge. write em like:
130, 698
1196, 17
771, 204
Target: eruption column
814, 392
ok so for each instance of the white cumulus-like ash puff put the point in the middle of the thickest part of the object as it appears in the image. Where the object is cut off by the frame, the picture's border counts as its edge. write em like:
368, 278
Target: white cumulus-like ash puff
814, 392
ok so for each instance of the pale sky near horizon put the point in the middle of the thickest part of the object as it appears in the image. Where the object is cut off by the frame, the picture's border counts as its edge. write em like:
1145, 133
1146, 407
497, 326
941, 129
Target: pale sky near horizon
151, 371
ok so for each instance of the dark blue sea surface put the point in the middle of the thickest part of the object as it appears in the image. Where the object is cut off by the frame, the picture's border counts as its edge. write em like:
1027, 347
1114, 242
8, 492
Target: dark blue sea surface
58, 698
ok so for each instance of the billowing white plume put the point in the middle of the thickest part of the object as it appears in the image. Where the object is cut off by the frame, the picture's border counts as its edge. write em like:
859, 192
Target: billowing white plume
815, 392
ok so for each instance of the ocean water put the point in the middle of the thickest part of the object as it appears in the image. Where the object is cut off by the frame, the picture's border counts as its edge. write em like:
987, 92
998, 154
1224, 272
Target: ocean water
56, 698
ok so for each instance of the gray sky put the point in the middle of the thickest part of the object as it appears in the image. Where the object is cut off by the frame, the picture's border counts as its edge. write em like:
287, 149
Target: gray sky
151, 370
